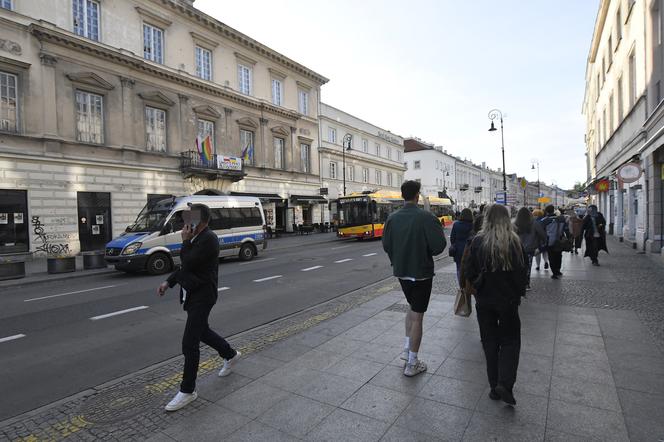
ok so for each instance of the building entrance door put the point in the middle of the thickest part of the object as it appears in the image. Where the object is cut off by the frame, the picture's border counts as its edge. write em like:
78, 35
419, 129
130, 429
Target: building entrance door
94, 220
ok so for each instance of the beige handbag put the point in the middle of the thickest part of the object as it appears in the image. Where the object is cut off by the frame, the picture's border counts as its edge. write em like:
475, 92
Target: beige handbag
462, 305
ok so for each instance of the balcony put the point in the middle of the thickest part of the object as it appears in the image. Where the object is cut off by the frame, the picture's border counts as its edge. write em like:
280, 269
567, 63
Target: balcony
220, 167
478, 189
464, 187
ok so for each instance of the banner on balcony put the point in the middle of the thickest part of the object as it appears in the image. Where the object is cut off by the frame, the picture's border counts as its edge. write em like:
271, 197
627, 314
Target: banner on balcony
229, 163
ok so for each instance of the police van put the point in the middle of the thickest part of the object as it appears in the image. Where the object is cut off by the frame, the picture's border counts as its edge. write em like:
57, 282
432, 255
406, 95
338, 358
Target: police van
154, 238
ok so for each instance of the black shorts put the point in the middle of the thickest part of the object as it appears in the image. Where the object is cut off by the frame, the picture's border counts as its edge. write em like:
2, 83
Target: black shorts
417, 293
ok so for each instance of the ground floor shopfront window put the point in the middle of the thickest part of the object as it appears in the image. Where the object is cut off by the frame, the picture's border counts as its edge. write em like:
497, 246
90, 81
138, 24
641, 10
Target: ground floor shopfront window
14, 237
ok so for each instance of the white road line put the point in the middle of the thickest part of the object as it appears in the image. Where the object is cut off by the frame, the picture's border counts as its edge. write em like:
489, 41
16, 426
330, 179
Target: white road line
268, 278
221, 289
371, 254
312, 268
343, 260
121, 312
71, 293
257, 261
11, 338
340, 247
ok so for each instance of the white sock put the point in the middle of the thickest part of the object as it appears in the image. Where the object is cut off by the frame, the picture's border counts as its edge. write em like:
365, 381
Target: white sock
406, 343
412, 357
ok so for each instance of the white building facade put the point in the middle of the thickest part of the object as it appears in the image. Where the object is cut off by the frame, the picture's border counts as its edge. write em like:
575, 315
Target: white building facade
432, 166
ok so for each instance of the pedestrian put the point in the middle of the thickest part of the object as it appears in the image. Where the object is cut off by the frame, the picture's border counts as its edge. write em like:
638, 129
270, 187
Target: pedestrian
461, 231
594, 232
497, 269
541, 254
198, 279
575, 226
411, 238
531, 234
556, 228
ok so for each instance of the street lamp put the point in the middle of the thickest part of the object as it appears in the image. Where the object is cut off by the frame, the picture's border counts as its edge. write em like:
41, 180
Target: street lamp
345, 145
492, 116
539, 192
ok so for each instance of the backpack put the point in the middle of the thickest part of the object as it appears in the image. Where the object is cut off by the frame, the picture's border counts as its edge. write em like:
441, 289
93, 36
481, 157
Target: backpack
554, 230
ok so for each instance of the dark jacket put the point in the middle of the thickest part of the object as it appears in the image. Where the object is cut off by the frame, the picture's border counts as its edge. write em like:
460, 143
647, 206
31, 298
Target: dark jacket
198, 273
589, 232
533, 240
411, 238
461, 231
500, 288
562, 226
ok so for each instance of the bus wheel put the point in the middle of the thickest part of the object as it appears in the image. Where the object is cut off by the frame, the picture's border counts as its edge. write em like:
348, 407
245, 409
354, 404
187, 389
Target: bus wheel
159, 263
247, 252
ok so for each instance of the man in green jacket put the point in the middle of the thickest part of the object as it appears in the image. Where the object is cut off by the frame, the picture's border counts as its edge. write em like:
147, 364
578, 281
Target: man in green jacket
411, 238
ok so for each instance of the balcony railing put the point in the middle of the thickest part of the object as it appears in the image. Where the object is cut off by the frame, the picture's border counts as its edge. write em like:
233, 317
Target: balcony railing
220, 166
464, 187
478, 189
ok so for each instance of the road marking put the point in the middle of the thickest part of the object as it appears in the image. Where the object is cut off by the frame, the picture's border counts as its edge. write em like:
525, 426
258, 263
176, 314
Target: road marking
121, 312
11, 338
371, 254
340, 247
268, 278
221, 289
312, 268
71, 293
256, 261
343, 260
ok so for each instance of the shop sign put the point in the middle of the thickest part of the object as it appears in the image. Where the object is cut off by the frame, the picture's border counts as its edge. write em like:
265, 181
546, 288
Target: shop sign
229, 163
544, 200
602, 186
630, 172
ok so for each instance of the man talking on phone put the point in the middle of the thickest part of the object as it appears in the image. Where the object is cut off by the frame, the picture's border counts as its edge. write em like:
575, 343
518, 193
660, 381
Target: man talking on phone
198, 277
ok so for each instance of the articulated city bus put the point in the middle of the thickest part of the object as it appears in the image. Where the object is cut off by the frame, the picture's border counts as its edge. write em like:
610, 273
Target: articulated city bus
363, 215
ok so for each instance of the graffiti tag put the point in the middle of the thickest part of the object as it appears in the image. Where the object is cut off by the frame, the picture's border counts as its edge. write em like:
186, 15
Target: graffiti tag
46, 246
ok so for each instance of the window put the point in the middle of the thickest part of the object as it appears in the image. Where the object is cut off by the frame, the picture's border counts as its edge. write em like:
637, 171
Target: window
8, 102
303, 102
389, 153
86, 18
14, 223
416, 164
244, 79
247, 146
377, 149
620, 99
389, 179
598, 86
610, 51
153, 43
333, 170
89, 117
603, 70
235, 217
331, 135
279, 162
436, 164
365, 175
350, 173
206, 128
155, 129
399, 155
6, 4
277, 91
365, 145
658, 92
659, 10
599, 132
399, 180
305, 157
632, 80
605, 128
619, 24
379, 177
203, 63
611, 114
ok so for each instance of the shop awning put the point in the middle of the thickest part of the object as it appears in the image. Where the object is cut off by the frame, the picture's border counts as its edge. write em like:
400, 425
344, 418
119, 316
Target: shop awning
308, 199
264, 197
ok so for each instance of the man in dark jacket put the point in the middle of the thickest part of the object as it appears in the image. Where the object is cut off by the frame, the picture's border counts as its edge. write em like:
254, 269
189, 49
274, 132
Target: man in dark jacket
556, 229
411, 238
594, 232
198, 278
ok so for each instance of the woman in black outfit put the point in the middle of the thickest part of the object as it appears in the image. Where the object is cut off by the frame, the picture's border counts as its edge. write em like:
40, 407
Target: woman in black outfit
497, 268
461, 231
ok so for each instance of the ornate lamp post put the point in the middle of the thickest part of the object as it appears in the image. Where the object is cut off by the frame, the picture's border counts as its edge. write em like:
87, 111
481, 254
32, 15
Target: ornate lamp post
539, 192
345, 145
496, 113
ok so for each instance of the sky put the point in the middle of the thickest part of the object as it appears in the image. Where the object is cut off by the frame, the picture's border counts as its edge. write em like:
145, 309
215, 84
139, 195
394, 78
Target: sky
433, 69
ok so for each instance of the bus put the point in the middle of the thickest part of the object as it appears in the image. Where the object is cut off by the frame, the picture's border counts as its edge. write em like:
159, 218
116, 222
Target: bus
363, 215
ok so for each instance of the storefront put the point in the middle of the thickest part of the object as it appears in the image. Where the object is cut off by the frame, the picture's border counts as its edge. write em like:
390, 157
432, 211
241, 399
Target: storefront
14, 237
274, 208
308, 209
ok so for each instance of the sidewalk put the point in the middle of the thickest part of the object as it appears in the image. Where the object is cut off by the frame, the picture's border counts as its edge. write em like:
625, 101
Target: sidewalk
591, 369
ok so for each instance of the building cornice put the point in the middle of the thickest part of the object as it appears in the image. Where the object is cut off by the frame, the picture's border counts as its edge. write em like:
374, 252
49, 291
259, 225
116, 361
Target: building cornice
378, 129
351, 156
599, 28
71, 41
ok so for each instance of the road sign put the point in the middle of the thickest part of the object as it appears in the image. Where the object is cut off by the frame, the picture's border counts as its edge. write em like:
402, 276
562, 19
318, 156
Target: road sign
524, 183
501, 198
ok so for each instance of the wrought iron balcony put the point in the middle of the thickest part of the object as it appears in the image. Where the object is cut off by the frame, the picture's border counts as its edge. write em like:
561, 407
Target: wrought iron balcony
219, 167
478, 189
464, 187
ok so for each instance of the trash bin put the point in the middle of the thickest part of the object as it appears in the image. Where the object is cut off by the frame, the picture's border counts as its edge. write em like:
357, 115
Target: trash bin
12, 265
61, 264
93, 260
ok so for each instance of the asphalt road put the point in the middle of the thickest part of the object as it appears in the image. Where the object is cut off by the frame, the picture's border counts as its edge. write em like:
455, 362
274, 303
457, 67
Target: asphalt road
86, 331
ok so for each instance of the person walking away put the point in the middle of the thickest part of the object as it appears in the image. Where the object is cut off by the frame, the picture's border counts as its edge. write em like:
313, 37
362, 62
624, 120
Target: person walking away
531, 234
198, 279
594, 232
556, 228
497, 269
575, 226
538, 214
411, 238
461, 231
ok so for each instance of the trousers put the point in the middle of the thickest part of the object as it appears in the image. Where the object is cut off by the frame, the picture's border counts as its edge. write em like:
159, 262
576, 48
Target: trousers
500, 331
196, 331
555, 261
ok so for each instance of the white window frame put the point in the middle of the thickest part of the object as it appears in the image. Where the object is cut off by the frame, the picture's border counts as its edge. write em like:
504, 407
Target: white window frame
389, 179
84, 29
89, 123
350, 172
417, 164
621, 101
245, 79
203, 61
378, 150
365, 145
332, 135
303, 101
244, 134
365, 175
632, 79
388, 152
8, 103
279, 152
305, 157
204, 128
153, 49
277, 92
378, 175
333, 170
155, 129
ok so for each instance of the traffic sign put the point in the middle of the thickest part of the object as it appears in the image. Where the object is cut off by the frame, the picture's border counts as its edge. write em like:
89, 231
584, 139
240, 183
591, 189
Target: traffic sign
501, 198
524, 183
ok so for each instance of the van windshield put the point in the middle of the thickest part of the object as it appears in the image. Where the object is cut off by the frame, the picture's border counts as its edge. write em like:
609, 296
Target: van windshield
149, 221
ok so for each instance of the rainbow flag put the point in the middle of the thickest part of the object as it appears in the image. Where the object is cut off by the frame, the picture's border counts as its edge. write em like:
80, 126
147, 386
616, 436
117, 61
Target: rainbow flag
204, 148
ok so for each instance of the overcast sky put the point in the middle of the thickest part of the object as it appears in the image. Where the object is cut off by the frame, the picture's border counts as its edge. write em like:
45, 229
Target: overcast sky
434, 68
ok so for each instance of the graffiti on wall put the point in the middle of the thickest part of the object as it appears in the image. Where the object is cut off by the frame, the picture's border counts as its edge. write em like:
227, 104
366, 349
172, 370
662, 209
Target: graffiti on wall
47, 246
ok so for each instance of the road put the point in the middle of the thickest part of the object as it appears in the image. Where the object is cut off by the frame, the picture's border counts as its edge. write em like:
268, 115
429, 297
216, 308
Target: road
60, 338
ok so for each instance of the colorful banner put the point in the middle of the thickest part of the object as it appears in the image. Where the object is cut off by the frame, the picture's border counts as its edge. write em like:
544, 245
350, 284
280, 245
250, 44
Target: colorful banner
229, 163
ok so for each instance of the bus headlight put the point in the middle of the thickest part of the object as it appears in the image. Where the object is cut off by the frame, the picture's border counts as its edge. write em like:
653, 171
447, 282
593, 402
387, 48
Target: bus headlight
132, 248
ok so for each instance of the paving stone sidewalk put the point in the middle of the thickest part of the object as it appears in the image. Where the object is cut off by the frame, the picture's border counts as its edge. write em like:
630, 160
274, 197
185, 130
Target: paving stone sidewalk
590, 369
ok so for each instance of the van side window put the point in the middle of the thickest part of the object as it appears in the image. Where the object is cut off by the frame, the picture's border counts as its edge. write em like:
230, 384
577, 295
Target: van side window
252, 216
176, 223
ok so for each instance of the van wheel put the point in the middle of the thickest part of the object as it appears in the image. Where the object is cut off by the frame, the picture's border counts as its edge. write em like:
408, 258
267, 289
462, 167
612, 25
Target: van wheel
158, 264
247, 252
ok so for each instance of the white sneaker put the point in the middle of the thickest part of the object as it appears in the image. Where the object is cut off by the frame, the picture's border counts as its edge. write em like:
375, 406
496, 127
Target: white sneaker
228, 365
415, 369
181, 400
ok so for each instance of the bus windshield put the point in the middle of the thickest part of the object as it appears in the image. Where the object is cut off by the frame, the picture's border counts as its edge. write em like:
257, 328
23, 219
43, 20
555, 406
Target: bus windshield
354, 212
152, 217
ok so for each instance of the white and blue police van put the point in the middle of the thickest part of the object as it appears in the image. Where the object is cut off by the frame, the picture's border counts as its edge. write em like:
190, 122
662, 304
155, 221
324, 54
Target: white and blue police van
154, 239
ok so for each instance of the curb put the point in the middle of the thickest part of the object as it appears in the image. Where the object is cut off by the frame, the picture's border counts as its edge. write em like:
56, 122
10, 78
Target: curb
31, 280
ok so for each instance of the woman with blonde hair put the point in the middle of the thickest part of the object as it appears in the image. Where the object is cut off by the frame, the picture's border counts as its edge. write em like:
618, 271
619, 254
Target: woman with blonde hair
497, 269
